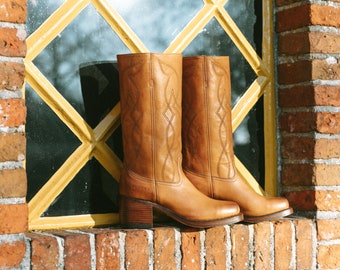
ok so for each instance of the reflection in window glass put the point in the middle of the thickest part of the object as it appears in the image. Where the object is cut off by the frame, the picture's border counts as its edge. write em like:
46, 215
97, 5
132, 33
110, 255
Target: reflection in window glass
89, 43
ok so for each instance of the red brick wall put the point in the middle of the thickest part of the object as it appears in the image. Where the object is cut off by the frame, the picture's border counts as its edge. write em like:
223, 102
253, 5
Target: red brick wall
309, 98
308, 90
13, 209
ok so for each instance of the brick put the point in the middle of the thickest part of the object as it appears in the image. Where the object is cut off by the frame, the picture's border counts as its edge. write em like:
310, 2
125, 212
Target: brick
44, 251
107, 249
11, 75
328, 257
13, 218
12, 42
12, 254
294, 43
13, 183
325, 70
322, 122
291, 122
77, 250
240, 247
328, 229
262, 245
298, 17
164, 248
191, 249
327, 174
297, 174
326, 95
12, 112
12, 147
310, 95
297, 72
304, 200
283, 252
297, 147
13, 11
304, 243
328, 200
137, 250
308, 42
216, 248
324, 15
328, 123
327, 148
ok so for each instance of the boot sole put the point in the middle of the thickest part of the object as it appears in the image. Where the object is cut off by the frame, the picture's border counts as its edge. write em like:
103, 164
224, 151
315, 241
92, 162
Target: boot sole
136, 213
274, 216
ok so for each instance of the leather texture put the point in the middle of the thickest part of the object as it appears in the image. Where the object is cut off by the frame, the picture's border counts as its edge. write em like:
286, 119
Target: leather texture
151, 115
208, 156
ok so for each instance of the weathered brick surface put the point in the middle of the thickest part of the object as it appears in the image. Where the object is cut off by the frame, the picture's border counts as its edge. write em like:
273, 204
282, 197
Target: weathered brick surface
291, 122
298, 17
310, 95
107, 249
13, 11
44, 252
77, 250
263, 246
322, 122
191, 246
164, 248
12, 112
13, 183
297, 147
298, 174
327, 200
12, 147
11, 75
216, 248
304, 200
137, 250
296, 72
328, 229
13, 218
240, 250
328, 256
12, 42
304, 243
12, 254
309, 42
283, 245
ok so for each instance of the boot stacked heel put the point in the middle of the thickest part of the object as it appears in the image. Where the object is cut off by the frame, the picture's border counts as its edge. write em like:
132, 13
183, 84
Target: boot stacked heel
135, 213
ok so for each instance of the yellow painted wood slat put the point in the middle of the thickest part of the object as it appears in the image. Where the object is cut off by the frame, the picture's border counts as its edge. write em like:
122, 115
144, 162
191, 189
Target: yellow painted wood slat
74, 222
247, 101
247, 177
108, 125
56, 184
109, 160
192, 29
241, 42
57, 103
270, 135
118, 24
53, 26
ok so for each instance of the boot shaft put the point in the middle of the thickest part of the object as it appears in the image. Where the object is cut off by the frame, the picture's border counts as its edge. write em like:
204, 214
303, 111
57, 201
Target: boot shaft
150, 94
207, 130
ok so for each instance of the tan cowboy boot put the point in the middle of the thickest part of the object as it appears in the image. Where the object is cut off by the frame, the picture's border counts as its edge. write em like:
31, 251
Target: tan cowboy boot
208, 156
152, 177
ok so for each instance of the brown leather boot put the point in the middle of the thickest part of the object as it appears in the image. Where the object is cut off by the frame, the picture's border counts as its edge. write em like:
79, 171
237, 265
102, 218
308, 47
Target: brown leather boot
208, 156
152, 177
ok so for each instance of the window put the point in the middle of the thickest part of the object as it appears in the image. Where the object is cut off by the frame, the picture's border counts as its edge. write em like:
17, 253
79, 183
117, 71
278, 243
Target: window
73, 136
